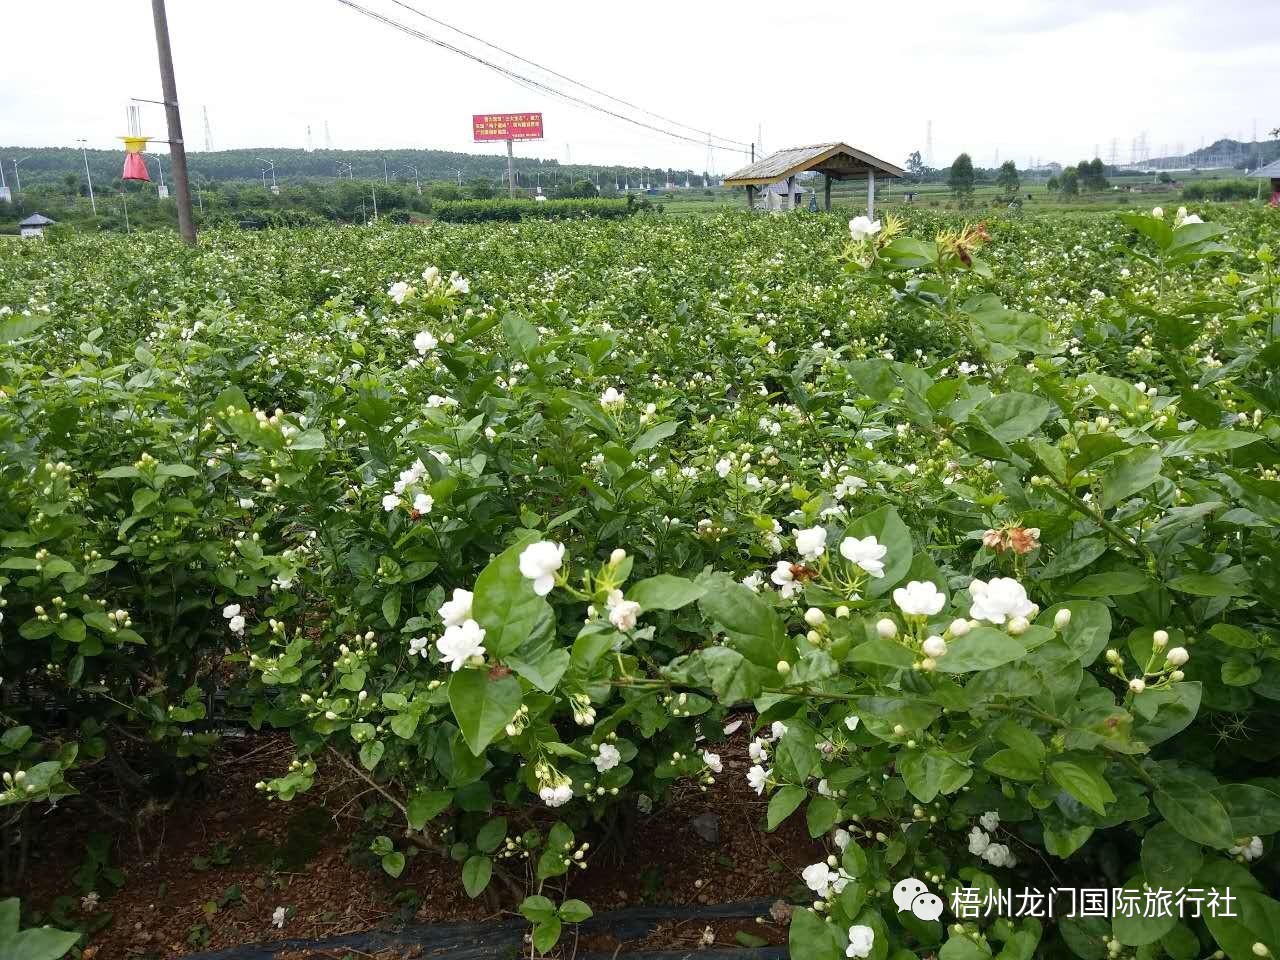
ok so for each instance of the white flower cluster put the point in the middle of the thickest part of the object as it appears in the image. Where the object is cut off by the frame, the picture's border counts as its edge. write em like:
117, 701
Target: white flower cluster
410, 485
235, 620
980, 844
824, 879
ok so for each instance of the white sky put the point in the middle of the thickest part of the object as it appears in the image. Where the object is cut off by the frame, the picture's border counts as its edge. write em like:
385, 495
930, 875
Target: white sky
1048, 79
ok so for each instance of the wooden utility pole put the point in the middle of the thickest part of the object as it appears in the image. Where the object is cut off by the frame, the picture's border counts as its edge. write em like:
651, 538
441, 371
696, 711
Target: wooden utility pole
177, 150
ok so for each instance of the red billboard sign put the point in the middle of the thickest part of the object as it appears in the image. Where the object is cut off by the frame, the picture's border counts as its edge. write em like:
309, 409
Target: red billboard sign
506, 126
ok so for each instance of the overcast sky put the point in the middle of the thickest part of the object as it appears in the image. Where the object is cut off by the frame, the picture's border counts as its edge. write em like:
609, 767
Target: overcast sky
1043, 79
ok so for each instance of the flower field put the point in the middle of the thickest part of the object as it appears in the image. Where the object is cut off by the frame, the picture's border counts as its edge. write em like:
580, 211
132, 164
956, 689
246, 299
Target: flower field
972, 526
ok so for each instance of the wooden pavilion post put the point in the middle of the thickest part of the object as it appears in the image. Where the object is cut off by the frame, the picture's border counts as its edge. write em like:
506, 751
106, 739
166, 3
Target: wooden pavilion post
871, 193
826, 192
751, 197
791, 192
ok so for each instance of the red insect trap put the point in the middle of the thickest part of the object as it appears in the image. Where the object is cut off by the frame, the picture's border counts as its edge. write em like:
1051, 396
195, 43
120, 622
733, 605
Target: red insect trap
135, 168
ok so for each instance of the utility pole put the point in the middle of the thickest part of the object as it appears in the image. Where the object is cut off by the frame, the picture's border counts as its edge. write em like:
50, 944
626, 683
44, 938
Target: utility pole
177, 149
84, 148
386, 177
17, 177
511, 177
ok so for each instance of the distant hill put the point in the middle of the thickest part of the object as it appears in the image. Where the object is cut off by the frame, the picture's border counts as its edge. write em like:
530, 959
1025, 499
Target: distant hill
51, 164
1221, 153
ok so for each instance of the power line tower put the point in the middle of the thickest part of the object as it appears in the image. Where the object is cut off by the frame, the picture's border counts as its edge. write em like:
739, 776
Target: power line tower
928, 143
1115, 151
308, 138
328, 141
208, 132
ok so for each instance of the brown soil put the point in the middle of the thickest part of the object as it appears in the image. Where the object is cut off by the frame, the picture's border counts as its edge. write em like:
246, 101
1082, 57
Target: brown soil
209, 873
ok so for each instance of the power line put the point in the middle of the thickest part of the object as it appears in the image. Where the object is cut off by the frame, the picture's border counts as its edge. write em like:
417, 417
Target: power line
527, 82
561, 76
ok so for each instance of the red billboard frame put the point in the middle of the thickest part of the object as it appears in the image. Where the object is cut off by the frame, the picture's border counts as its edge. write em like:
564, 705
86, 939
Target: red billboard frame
506, 126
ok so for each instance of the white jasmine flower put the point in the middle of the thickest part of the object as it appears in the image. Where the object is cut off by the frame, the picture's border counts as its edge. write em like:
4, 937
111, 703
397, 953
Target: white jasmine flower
612, 398
758, 750
784, 578
812, 542
418, 647
998, 855
460, 643
756, 778
622, 613
607, 758
1178, 656
851, 722
990, 820
841, 838
867, 553
778, 729
556, 796
458, 610
978, 842
277, 917
390, 502
919, 598
862, 227
861, 939
712, 760
424, 343
754, 581
1250, 849
231, 610
539, 563
999, 599
400, 291
723, 467
423, 502
818, 877
934, 647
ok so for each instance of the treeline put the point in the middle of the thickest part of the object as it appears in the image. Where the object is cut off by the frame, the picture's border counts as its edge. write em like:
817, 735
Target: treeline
44, 165
133, 205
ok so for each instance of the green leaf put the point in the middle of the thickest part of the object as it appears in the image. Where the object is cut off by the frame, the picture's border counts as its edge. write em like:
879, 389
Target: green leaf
482, 706
1134, 928
520, 334
391, 607
475, 875
574, 911
821, 815
928, 773
37, 943
1256, 920
812, 938
1115, 583
1012, 416
1193, 811
426, 805
537, 908
393, 863
1254, 811
546, 935
491, 834
1085, 785
19, 326
784, 803
889, 530
665, 592
981, 649
886, 653
1013, 766
755, 630
654, 436
1231, 582
1129, 473
505, 604
1169, 860
371, 752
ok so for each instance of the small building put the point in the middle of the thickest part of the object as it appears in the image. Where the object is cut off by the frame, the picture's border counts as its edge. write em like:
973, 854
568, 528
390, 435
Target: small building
34, 225
1271, 172
783, 195
835, 161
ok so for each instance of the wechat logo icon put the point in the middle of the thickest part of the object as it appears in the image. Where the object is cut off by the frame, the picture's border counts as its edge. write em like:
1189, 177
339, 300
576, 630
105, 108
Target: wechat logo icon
911, 894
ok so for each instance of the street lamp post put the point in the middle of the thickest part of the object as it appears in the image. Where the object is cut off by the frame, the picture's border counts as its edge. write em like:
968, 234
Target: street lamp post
416, 181
161, 188
84, 148
270, 164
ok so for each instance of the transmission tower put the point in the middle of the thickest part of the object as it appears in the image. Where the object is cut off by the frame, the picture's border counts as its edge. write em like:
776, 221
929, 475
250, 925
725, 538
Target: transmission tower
1115, 151
928, 143
208, 132
328, 141
309, 138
